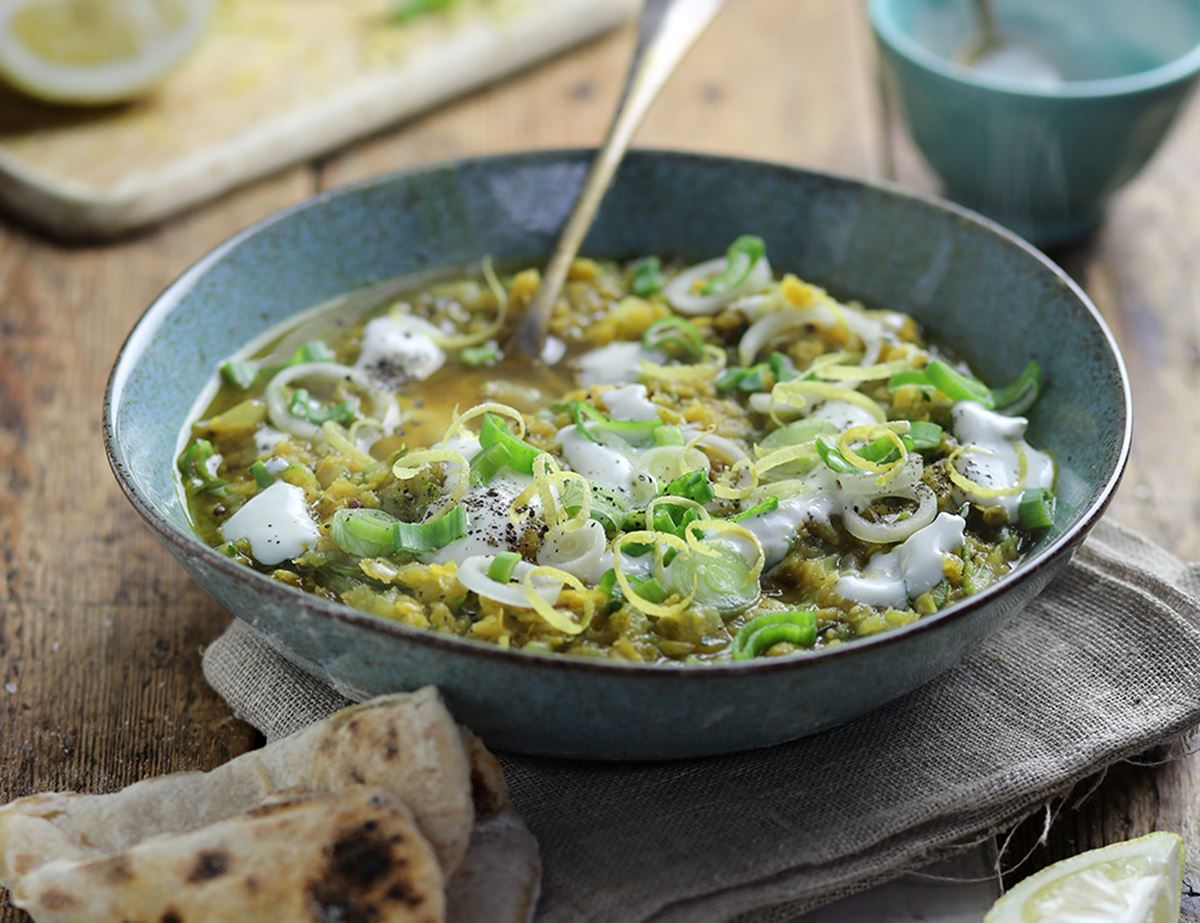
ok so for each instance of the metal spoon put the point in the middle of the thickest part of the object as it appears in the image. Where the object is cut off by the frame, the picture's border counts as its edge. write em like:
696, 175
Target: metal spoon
668, 29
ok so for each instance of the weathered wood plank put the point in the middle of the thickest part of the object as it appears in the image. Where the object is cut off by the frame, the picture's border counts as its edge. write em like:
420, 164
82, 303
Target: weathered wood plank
100, 630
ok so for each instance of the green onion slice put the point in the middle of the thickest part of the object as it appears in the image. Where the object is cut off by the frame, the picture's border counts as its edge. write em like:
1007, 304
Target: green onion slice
668, 435
199, 464
647, 277
675, 336
475, 356
495, 432
694, 485
488, 462
305, 407
741, 257
408, 10
797, 626
421, 537
1020, 394
502, 566
262, 477
243, 373
364, 533
591, 422
721, 581
1036, 509
761, 509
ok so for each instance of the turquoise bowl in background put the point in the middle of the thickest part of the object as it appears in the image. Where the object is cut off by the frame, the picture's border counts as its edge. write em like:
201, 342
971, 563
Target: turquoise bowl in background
976, 287
1044, 160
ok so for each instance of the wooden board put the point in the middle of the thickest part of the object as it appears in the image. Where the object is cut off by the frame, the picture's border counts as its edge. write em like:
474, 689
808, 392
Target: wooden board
274, 82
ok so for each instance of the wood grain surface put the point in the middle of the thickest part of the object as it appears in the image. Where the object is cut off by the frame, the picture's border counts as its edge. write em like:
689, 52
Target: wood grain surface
101, 632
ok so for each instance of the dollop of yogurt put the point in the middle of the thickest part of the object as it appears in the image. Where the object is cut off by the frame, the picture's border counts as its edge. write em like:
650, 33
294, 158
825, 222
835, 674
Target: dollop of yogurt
615, 364
908, 570
276, 522
489, 529
400, 349
601, 464
776, 529
631, 402
998, 466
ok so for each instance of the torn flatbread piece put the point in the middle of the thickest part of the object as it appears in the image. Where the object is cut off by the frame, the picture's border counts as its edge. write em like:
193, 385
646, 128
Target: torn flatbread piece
355, 855
407, 744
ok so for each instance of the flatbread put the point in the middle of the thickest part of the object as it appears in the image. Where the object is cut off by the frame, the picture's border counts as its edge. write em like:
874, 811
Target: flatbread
406, 744
500, 877
356, 855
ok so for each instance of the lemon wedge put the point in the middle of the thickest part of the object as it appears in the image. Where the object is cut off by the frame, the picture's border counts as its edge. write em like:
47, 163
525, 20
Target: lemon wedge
92, 52
1138, 881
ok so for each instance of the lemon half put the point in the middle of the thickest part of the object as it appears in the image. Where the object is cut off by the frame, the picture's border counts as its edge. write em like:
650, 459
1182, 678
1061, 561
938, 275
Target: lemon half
92, 52
1138, 881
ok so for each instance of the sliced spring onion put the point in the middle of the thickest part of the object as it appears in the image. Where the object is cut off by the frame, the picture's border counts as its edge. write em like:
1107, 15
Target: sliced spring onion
797, 626
244, 373
421, 537
365, 533
1036, 509
647, 277
488, 462
199, 464
760, 509
668, 435
693, 486
718, 573
592, 422
475, 356
1020, 394
896, 529
659, 543
262, 477
673, 515
495, 432
865, 434
951, 382
240, 373
675, 336
408, 10
781, 367
797, 432
303, 407
741, 257
833, 458
502, 566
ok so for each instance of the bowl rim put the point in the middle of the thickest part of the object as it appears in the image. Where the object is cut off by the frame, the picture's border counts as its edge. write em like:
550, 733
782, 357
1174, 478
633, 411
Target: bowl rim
888, 31
188, 544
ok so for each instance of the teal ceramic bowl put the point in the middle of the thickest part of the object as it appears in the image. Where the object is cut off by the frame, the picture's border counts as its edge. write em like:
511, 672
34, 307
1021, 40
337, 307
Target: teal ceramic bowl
978, 288
1042, 159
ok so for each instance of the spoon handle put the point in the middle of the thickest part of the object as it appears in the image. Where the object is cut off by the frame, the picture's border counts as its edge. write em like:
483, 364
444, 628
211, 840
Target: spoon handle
668, 29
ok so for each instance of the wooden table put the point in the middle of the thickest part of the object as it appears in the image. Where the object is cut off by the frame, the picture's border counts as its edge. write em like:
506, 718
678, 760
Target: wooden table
101, 632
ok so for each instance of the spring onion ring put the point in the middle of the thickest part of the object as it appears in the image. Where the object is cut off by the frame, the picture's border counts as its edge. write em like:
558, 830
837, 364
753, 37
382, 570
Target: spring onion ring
883, 533
278, 402
473, 574
657, 540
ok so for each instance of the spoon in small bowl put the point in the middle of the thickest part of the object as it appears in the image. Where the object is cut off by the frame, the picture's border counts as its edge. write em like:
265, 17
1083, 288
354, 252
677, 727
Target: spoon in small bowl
667, 30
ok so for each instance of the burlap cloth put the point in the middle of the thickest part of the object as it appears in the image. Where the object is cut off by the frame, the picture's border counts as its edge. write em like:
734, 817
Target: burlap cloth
1100, 667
